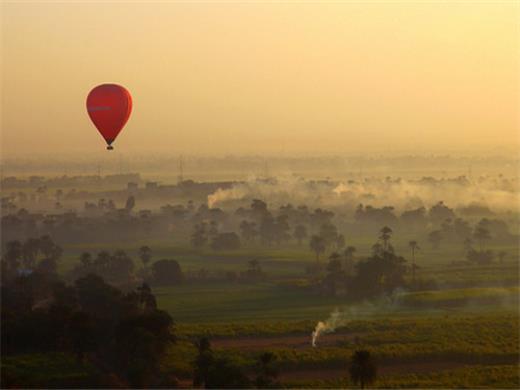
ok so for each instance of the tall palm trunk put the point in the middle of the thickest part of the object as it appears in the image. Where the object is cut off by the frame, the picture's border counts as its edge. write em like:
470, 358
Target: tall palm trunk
413, 264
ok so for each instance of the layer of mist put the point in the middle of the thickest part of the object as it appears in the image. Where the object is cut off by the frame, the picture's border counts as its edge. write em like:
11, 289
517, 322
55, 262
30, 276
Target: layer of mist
498, 193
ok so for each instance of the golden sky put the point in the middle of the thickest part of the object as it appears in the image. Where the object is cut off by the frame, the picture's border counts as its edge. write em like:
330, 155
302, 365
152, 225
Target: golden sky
270, 78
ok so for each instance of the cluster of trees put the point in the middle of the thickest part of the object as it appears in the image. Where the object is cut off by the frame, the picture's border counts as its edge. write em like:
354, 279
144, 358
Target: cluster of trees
252, 272
327, 238
219, 241
70, 226
441, 221
61, 192
123, 335
34, 254
459, 231
41, 256
412, 219
116, 268
119, 269
381, 273
212, 372
68, 181
257, 224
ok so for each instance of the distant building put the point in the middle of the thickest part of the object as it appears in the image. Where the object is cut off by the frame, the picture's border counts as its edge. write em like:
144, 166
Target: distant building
151, 185
131, 187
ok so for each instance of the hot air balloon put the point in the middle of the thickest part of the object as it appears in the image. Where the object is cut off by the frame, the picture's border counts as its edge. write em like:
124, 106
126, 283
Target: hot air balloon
109, 107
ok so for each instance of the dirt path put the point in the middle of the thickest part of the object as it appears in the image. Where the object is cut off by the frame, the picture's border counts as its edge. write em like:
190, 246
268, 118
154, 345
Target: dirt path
297, 341
312, 374
388, 369
303, 341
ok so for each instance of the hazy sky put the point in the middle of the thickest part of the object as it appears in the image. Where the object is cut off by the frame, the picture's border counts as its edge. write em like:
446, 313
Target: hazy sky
264, 78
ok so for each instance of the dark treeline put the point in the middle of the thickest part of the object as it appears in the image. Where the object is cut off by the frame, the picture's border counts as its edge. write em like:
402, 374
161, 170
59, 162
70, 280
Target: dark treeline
122, 335
381, 273
93, 195
340, 268
104, 313
222, 229
119, 338
342, 273
42, 182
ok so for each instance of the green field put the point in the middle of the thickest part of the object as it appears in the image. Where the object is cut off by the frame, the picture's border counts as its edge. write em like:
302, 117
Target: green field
440, 350
464, 333
55, 370
239, 302
287, 260
219, 302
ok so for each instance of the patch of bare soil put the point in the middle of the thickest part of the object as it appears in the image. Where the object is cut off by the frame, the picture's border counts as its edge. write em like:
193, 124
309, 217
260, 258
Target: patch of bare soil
387, 369
296, 341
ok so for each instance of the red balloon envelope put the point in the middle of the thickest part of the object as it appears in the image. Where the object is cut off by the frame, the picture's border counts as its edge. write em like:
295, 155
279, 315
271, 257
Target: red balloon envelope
109, 107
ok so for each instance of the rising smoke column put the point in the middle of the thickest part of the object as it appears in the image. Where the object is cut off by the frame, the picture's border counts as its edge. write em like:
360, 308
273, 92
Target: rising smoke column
335, 320
338, 318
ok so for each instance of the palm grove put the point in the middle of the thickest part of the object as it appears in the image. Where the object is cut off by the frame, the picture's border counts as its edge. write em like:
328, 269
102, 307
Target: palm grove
103, 310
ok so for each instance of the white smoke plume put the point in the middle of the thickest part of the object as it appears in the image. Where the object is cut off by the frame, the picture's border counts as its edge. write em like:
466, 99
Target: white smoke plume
336, 320
498, 194
282, 190
339, 318
405, 194
220, 195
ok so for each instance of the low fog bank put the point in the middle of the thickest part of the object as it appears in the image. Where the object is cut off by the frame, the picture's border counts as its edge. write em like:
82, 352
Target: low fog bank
494, 193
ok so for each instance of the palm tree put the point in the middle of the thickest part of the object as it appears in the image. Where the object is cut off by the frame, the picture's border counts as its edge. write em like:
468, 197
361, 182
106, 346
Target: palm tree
130, 203
203, 362
384, 235
300, 233
363, 370
30, 249
254, 267
348, 253
481, 234
103, 259
146, 298
49, 249
145, 254
334, 256
85, 259
13, 253
413, 246
267, 371
317, 244
335, 276
435, 238
377, 249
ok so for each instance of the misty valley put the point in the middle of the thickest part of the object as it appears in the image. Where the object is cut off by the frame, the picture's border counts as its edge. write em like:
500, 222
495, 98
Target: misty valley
259, 194
271, 280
